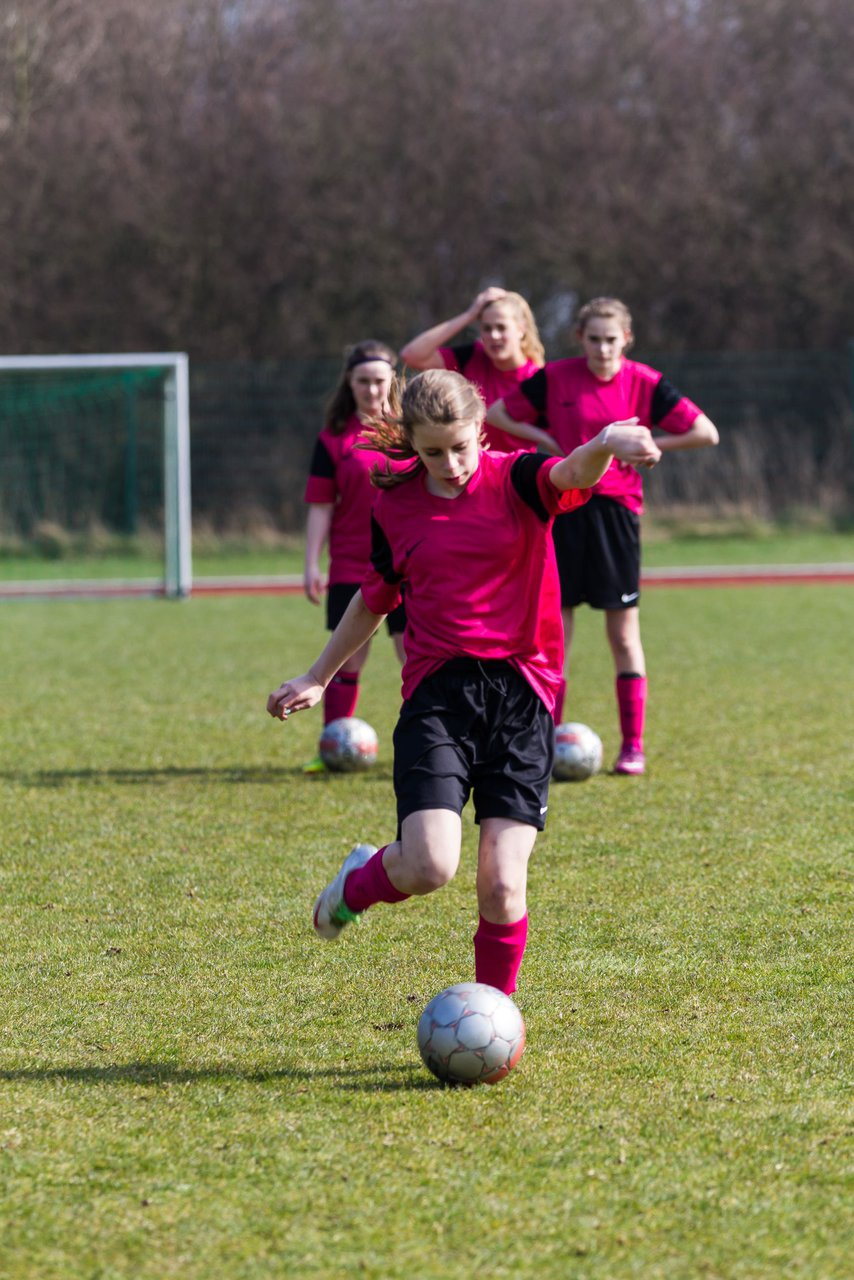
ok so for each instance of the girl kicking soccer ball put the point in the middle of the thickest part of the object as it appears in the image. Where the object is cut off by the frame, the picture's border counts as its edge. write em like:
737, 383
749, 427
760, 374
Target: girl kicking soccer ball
468, 533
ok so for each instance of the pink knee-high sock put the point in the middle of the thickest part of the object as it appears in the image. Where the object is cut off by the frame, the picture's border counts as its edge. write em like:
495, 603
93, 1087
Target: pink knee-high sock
370, 884
631, 700
498, 951
559, 701
341, 696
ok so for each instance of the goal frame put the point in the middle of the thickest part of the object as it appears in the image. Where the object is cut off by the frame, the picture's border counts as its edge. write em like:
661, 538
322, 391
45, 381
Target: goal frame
178, 555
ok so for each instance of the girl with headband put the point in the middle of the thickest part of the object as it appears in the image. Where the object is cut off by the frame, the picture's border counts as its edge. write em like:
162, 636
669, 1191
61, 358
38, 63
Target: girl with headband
339, 495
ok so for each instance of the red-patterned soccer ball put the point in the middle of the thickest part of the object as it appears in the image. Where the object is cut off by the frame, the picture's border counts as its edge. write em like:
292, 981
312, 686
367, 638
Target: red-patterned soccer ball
348, 745
471, 1034
578, 753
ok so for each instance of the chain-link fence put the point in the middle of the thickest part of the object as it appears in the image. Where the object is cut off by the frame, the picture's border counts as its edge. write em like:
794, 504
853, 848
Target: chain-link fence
787, 436
81, 460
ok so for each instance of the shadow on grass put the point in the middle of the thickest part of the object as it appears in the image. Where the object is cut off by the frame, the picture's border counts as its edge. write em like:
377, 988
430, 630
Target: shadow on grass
258, 775
382, 1078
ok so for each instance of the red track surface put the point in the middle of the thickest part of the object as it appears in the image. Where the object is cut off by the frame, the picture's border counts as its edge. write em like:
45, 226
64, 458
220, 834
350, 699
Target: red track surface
748, 575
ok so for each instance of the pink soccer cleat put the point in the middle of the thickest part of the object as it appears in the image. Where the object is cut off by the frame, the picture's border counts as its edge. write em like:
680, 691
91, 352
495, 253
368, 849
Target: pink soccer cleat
631, 760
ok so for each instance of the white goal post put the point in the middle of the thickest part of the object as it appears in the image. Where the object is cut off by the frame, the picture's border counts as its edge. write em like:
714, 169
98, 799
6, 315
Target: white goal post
174, 368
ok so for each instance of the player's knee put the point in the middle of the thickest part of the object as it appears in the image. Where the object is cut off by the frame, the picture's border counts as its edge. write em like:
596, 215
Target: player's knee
430, 868
501, 899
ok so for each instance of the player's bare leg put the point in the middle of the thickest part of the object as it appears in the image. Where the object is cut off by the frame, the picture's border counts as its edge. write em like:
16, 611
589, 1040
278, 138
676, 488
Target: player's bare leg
503, 853
622, 627
428, 853
502, 877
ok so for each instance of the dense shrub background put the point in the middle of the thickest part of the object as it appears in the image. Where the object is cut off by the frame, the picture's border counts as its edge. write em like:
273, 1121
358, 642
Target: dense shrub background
263, 179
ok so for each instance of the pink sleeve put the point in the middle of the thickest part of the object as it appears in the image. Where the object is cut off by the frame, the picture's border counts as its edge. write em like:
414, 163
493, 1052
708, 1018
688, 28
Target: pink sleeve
676, 420
680, 418
449, 359
554, 500
380, 596
322, 485
320, 489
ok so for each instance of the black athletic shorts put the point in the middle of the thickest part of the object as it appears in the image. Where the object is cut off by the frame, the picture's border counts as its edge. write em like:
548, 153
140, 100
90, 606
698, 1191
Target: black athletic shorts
474, 727
339, 595
598, 555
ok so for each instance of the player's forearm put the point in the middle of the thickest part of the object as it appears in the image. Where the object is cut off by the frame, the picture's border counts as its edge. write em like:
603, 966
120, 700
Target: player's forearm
422, 351
586, 465
355, 629
317, 526
701, 435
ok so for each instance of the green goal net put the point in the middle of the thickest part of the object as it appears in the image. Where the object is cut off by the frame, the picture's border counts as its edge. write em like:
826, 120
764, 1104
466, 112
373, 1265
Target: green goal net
94, 449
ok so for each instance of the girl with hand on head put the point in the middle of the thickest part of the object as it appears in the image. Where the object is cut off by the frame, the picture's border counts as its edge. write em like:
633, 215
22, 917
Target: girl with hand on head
507, 351
484, 647
598, 548
339, 495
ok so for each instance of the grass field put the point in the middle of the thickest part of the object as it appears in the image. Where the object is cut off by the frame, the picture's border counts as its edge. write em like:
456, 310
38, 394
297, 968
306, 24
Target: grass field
191, 1085
662, 546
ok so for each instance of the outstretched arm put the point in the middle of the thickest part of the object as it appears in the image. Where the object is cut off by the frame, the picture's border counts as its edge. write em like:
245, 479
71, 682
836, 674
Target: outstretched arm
497, 416
700, 435
355, 629
587, 464
423, 351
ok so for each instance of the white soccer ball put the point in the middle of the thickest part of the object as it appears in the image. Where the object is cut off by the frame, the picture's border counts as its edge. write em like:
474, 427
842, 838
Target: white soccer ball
578, 753
348, 745
471, 1034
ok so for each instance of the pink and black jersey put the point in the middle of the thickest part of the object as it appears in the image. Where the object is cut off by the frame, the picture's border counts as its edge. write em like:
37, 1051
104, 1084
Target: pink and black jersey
494, 384
567, 398
479, 569
340, 474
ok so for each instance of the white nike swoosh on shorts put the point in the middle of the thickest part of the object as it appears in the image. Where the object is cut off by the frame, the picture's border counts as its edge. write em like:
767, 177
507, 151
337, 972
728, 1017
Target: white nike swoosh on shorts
628, 598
